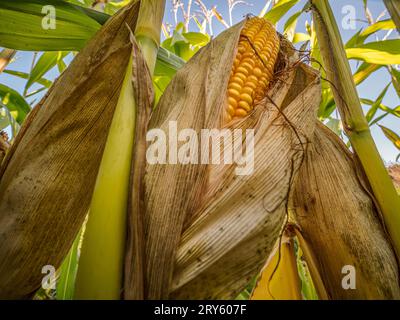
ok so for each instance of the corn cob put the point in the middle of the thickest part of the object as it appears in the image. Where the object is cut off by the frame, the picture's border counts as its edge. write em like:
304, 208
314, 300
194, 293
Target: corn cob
253, 67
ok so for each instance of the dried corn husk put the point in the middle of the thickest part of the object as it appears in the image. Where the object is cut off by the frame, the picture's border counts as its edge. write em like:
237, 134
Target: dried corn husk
280, 279
49, 174
340, 223
229, 223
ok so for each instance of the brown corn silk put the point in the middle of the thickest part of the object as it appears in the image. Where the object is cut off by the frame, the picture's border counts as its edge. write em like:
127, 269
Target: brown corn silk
48, 176
340, 223
208, 230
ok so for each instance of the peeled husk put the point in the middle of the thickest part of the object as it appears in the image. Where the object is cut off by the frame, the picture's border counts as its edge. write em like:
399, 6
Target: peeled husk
339, 221
48, 176
209, 231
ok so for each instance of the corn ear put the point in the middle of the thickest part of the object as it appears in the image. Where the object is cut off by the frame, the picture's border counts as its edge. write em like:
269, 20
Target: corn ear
279, 280
48, 176
339, 223
218, 249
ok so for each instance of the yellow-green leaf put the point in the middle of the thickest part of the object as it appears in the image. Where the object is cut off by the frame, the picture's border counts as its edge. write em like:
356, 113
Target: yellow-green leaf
379, 52
392, 136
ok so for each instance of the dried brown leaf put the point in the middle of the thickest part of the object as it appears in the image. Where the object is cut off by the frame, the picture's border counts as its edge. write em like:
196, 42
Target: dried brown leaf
49, 174
338, 219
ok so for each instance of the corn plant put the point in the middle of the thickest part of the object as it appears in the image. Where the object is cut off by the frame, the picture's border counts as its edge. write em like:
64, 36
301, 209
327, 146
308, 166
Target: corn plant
78, 193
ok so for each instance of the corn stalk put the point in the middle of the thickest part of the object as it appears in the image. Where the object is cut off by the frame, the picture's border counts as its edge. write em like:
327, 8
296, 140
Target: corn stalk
148, 30
355, 125
100, 274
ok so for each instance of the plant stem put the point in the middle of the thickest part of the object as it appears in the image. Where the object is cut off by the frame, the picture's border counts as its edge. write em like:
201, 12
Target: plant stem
339, 75
101, 263
148, 30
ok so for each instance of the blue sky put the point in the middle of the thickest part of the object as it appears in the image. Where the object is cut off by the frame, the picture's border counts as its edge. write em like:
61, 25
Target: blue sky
369, 89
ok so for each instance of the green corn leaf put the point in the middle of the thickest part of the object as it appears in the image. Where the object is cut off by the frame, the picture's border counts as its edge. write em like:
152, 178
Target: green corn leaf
44, 82
21, 26
279, 10
67, 274
61, 65
374, 108
392, 136
300, 37
335, 125
354, 40
4, 119
386, 111
46, 62
362, 35
395, 75
197, 39
364, 71
290, 26
167, 63
80, 26
185, 45
14, 102
378, 26
379, 52
32, 93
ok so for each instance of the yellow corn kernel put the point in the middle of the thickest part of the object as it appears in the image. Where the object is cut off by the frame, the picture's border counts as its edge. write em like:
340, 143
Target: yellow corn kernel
253, 68
243, 70
235, 86
244, 105
240, 76
234, 94
248, 90
247, 98
239, 112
